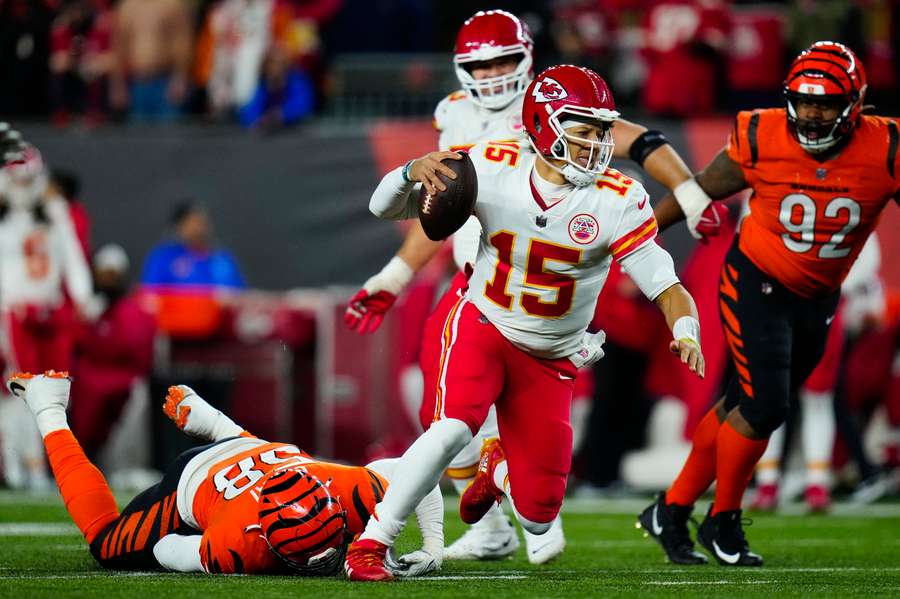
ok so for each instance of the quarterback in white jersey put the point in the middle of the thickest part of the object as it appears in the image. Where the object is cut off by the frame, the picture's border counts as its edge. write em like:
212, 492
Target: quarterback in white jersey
493, 61
552, 222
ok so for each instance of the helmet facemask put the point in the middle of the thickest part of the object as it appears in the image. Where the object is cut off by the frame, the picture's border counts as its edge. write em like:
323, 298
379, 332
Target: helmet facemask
494, 93
817, 136
581, 171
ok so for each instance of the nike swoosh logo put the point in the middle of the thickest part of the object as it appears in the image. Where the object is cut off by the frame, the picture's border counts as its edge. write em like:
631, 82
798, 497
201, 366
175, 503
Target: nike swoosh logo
16, 388
731, 558
642, 203
828, 320
654, 522
563, 377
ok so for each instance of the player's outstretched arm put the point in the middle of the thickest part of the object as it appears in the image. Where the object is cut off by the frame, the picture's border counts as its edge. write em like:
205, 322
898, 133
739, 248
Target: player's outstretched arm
678, 307
721, 179
366, 309
430, 516
193, 415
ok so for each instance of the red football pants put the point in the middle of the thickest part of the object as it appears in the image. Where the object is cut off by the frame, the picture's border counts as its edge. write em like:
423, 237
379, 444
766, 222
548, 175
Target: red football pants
475, 367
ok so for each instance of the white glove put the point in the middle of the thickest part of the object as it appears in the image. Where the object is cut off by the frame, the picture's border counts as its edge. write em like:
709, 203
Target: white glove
193, 415
417, 563
591, 349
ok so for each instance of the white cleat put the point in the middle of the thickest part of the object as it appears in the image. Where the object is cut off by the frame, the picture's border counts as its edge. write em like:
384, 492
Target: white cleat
489, 538
543, 548
41, 391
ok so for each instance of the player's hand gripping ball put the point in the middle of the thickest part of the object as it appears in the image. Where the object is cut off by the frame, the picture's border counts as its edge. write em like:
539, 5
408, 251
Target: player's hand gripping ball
449, 190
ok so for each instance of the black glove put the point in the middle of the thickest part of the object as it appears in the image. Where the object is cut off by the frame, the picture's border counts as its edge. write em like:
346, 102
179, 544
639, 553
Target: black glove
12, 148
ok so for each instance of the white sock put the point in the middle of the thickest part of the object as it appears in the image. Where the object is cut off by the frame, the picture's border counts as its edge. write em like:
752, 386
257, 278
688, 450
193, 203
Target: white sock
818, 436
767, 472
417, 472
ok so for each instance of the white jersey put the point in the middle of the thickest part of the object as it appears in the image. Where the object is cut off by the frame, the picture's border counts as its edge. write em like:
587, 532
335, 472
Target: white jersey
462, 124
36, 258
539, 269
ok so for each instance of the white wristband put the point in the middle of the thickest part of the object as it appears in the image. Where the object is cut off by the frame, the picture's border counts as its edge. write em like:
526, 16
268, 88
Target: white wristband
394, 277
693, 201
687, 327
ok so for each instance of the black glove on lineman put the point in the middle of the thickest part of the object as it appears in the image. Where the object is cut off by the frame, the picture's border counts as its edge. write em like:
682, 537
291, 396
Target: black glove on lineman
12, 148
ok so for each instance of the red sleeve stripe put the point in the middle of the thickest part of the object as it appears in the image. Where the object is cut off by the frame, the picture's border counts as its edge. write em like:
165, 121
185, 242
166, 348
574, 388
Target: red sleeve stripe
634, 239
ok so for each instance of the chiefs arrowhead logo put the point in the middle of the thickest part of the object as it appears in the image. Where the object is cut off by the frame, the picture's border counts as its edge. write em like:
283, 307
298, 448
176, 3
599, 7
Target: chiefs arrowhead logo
548, 90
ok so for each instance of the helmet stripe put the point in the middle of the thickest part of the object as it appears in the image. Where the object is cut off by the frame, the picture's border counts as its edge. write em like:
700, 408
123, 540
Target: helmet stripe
272, 510
283, 485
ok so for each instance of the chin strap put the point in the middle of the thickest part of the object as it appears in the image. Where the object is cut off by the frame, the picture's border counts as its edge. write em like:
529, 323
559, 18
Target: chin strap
575, 176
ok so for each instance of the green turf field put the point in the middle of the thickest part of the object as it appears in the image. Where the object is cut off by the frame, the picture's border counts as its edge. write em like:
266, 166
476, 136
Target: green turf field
855, 552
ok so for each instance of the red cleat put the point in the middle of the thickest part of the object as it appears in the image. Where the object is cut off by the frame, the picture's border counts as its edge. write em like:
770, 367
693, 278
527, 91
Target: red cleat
818, 498
482, 493
766, 499
364, 561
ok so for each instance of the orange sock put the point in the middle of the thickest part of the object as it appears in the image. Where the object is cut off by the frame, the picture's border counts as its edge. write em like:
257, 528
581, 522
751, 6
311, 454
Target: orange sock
83, 488
737, 456
699, 470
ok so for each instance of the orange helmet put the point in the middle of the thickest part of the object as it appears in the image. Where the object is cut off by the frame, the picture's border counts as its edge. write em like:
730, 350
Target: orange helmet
826, 73
302, 523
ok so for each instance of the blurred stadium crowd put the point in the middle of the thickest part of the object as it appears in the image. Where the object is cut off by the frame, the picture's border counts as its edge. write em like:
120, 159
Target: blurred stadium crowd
267, 63
282, 362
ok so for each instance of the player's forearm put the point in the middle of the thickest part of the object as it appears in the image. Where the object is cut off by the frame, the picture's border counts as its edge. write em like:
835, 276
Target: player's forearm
417, 250
676, 303
668, 212
666, 166
394, 199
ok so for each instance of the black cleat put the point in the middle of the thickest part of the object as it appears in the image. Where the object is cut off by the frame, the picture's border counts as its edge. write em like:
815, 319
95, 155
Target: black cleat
723, 536
667, 524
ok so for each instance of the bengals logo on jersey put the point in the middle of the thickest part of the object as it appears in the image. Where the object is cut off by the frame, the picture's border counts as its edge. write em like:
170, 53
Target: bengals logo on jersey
548, 90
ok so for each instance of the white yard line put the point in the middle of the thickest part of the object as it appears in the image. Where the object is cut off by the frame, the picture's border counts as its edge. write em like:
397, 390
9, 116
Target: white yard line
37, 529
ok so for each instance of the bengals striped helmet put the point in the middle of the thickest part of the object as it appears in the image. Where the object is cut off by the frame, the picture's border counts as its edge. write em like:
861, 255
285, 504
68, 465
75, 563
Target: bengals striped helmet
302, 523
829, 75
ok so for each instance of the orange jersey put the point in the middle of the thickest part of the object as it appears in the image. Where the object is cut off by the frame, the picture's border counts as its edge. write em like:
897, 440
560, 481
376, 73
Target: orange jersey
808, 219
221, 486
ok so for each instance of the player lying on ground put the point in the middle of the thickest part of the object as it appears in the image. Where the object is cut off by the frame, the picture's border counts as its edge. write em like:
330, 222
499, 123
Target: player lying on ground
552, 222
238, 505
821, 173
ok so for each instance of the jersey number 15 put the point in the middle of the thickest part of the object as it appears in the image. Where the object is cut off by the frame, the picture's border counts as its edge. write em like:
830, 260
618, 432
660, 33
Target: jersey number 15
536, 275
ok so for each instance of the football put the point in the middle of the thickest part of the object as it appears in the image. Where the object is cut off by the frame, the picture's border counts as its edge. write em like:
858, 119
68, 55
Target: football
443, 213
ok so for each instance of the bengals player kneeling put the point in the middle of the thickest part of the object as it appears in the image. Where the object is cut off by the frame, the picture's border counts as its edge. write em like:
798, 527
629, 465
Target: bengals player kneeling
240, 505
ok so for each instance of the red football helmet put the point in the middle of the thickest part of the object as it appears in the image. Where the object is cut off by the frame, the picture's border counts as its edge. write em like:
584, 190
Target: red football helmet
302, 523
557, 98
826, 73
25, 181
486, 36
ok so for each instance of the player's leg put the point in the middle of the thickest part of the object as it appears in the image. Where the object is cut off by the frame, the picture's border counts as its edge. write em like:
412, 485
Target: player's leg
87, 497
540, 450
533, 414
458, 392
757, 319
768, 473
493, 536
665, 520
817, 399
127, 542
